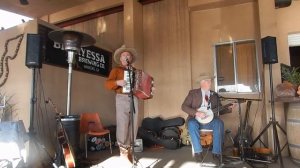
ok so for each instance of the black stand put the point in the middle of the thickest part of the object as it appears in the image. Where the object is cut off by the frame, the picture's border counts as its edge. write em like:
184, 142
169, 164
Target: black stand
218, 111
32, 138
221, 157
242, 158
132, 111
273, 123
241, 142
32, 103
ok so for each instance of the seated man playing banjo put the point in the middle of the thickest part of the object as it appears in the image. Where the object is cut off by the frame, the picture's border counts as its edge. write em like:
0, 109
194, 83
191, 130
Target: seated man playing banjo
203, 106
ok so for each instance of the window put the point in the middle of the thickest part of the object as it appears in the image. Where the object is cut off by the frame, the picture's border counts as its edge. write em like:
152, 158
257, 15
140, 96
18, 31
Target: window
236, 67
294, 47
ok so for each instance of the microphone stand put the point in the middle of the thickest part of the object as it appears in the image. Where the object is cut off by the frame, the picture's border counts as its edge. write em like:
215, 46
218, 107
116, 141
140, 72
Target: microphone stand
132, 109
220, 140
241, 131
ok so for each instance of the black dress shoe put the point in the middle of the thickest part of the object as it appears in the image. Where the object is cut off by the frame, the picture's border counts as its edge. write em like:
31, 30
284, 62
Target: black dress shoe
198, 156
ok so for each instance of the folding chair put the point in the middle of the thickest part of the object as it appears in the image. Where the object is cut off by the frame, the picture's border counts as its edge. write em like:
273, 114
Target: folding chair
91, 125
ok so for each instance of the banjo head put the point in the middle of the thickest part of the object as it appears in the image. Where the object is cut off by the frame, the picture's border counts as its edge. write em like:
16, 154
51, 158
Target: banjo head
208, 118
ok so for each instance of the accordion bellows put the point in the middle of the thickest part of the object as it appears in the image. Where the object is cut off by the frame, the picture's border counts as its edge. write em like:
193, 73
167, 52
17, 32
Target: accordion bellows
142, 84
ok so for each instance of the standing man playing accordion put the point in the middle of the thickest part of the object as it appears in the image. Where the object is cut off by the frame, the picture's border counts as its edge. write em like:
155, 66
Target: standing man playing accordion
124, 57
196, 104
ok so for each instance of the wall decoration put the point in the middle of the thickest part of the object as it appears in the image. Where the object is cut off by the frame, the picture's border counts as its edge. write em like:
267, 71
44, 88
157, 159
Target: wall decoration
4, 69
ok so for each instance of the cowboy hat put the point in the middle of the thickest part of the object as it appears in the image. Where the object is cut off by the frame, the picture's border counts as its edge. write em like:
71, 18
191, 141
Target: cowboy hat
122, 49
204, 76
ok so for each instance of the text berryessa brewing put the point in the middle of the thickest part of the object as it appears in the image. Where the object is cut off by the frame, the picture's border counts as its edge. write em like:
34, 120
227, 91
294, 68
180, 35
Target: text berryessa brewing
92, 59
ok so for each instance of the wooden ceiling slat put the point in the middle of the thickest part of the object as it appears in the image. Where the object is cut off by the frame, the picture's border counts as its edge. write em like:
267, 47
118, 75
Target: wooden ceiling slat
90, 16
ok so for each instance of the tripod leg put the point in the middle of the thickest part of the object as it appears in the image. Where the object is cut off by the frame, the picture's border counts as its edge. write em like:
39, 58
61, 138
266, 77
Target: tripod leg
277, 145
284, 134
281, 128
263, 131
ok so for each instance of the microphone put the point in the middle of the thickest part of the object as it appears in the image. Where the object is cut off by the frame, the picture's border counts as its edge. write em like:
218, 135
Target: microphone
127, 60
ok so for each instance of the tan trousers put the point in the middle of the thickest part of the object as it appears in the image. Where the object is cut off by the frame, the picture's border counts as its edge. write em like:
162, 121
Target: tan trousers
124, 131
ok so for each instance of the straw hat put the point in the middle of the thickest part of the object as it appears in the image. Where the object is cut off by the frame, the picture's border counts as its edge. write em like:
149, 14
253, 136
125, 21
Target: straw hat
122, 49
204, 76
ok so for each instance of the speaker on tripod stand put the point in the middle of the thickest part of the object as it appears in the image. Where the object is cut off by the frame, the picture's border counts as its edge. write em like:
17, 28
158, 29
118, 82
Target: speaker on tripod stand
33, 61
269, 53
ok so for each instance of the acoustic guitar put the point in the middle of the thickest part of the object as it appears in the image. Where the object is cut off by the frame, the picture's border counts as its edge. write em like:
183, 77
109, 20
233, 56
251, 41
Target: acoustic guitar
64, 141
209, 114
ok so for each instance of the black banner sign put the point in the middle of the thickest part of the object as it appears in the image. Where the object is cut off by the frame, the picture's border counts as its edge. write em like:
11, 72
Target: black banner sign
89, 59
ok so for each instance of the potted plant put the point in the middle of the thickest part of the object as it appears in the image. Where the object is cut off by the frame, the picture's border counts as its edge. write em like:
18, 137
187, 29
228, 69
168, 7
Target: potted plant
292, 75
7, 108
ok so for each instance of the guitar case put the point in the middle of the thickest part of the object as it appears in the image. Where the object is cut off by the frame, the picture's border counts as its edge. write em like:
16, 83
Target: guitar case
170, 143
157, 124
170, 137
152, 124
170, 132
177, 121
149, 137
156, 131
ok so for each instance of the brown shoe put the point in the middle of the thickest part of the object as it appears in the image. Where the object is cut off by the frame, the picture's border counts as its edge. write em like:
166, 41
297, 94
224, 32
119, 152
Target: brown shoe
126, 152
129, 155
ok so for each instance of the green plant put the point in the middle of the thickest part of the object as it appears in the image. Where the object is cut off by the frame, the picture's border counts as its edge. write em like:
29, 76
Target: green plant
291, 75
6, 112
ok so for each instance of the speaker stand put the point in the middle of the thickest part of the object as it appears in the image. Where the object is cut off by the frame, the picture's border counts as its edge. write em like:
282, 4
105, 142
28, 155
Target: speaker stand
273, 123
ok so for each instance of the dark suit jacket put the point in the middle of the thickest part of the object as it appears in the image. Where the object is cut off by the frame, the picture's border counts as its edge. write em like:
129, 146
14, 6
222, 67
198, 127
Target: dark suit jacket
194, 100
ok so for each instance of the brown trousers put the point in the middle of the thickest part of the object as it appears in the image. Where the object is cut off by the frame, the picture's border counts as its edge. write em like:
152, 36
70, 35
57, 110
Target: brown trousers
124, 128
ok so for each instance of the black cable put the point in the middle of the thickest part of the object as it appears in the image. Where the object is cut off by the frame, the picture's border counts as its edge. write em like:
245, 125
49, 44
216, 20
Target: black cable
257, 109
43, 120
42, 101
262, 97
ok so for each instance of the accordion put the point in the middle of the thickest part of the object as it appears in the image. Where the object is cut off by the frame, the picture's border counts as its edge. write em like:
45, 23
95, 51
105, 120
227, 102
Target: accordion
142, 84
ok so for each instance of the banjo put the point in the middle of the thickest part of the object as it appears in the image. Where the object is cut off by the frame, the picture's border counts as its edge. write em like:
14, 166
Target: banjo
209, 114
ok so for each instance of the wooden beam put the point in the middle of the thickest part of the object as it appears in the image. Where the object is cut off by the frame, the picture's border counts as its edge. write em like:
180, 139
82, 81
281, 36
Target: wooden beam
90, 16
144, 2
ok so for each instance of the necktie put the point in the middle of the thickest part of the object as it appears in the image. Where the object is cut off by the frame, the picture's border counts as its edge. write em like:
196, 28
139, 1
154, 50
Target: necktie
206, 98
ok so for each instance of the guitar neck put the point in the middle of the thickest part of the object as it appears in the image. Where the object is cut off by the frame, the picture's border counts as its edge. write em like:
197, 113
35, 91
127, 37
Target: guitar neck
221, 108
63, 139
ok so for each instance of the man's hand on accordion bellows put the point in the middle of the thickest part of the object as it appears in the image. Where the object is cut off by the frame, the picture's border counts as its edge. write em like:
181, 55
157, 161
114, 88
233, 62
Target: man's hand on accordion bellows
121, 82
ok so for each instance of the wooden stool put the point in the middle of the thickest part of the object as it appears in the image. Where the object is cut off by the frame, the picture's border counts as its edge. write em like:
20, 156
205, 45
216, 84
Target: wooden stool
206, 137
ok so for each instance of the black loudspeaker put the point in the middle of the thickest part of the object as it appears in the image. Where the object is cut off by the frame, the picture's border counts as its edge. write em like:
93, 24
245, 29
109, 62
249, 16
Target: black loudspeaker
33, 51
269, 50
282, 3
